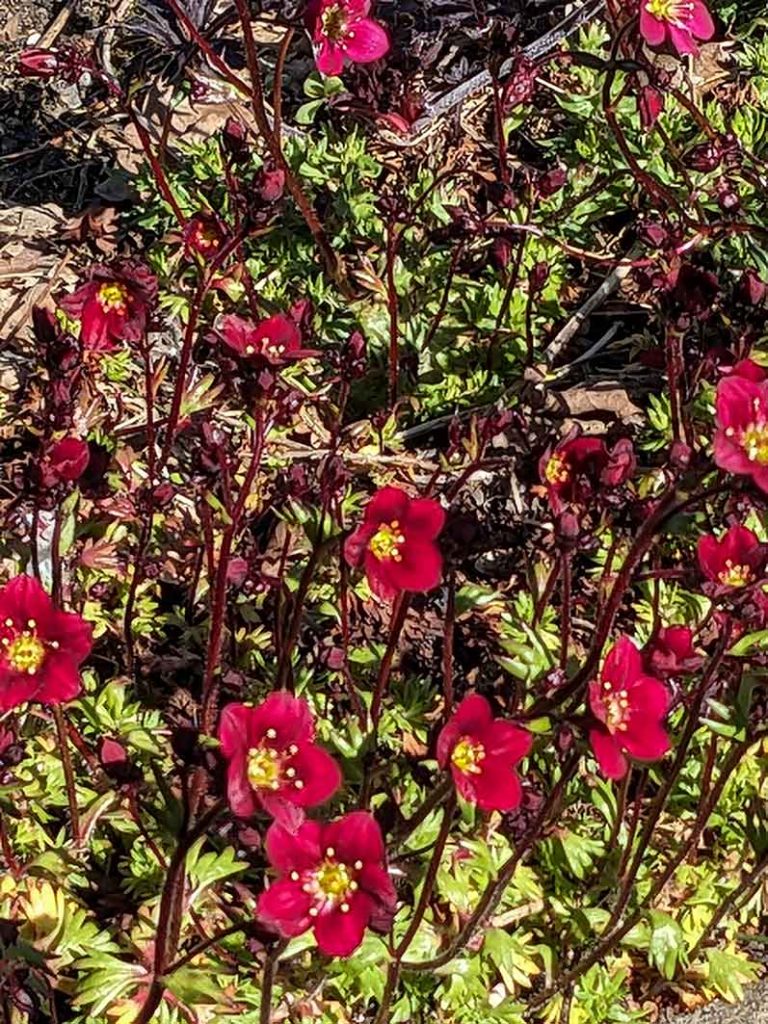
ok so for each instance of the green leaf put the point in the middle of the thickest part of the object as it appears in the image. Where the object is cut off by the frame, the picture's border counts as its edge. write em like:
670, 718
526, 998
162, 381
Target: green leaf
727, 972
748, 643
666, 948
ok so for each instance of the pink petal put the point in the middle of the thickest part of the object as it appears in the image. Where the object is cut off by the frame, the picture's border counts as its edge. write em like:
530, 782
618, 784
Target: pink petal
596, 700
387, 505
646, 739
612, 762
329, 58
58, 680
738, 544
729, 455
425, 517
15, 689
652, 29
735, 401
283, 809
94, 327
289, 716
700, 23
708, 554
622, 663
367, 41
239, 793
339, 934
374, 879
320, 774
508, 740
648, 697
497, 787
471, 718
682, 40
420, 569
294, 851
356, 545
356, 836
285, 906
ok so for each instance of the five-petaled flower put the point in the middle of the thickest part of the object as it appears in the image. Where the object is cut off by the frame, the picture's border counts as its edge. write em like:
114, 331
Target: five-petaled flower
681, 22
64, 461
734, 560
342, 30
741, 438
629, 707
275, 341
273, 760
41, 646
332, 878
395, 543
671, 652
114, 304
482, 753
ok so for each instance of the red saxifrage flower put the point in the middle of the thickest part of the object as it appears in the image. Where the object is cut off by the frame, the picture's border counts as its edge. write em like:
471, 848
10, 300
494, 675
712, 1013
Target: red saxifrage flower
671, 653
332, 878
342, 30
734, 560
395, 543
741, 417
64, 461
201, 235
274, 342
273, 761
114, 304
41, 646
679, 22
578, 466
482, 753
630, 707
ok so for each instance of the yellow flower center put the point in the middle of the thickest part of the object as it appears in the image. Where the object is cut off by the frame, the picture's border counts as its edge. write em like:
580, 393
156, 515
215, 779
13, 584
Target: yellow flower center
467, 756
675, 11
735, 575
264, 768
334, 23
113, 296
616, 704
754, 441
25, 653
333, 879
557, 471
385, 543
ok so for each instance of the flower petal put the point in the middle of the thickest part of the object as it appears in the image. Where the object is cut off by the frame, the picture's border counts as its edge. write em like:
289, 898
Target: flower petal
59, 680
285, 906
508, 740
497, 787
233, 729
646, 739
294, 851
471, 718
612, 762
368, 41
388, 504
648, 698
652, 29
287, 716
700, 22
355, 836
319, 773
329, 58
425, 517
339, 934
622, 663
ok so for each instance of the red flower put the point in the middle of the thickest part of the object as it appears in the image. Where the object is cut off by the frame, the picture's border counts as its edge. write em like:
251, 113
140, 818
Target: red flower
571, 469
482, 753
201, 235
341, 30
395, 543
114, 304
40, 646
64, 461
735, 560
681, 22
741, 438
671, 652
650, 103
630, 708
275, 341
748, 369
273, 761
332, 878
39, 63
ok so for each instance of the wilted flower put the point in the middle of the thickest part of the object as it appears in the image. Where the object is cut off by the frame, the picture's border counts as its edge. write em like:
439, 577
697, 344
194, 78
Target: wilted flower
64, 461
570, 470
40, 646
202, 235
650, 103
681, 22
741, 437
341, 30
114, 305
332, 878
39, 63
630, 708
273, 761
395, 543
752, 289
671, 652
482, 753
275, 341
734, 560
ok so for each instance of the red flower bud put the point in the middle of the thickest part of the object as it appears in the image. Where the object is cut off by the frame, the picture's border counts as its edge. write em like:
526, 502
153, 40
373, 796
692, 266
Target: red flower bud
38, 63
